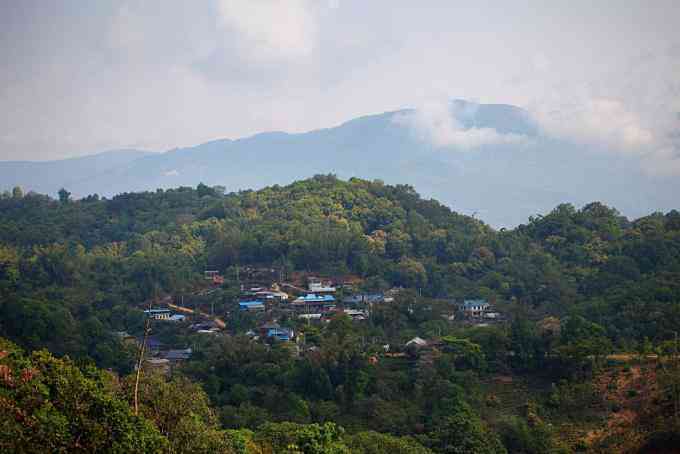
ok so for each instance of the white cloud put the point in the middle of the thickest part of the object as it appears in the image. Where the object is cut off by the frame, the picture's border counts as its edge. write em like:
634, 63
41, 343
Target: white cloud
436, 123
271, 29
602, 122
631, 106
171, 173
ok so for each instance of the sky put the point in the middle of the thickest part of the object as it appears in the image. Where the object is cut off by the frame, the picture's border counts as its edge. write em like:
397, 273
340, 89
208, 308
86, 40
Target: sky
83, 77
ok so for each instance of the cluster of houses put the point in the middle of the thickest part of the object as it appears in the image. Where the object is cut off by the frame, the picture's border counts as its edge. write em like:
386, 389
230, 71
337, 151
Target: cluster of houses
164, 315
319, 301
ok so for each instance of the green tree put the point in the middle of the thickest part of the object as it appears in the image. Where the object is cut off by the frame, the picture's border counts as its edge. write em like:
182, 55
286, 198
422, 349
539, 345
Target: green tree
379, 443
50, 405
180, 409
64, 196
290, 438
461, 431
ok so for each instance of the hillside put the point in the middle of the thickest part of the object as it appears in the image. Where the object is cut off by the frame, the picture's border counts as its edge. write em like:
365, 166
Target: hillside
572, 286
567, 259
502, 183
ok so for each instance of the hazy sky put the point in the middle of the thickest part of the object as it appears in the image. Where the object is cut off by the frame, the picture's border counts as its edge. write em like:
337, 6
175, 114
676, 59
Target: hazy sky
78, 77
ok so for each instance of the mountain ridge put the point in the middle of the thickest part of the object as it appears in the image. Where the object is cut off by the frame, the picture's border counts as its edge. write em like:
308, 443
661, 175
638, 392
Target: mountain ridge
504, 183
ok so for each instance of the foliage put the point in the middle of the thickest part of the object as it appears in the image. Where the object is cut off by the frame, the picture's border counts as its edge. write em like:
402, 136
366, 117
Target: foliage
49, 404
574, 284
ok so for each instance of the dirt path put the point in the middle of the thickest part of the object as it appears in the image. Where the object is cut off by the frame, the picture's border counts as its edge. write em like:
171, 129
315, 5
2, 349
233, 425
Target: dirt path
218, 321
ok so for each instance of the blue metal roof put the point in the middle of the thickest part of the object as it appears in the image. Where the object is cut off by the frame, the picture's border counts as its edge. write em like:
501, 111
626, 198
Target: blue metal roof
280, 333
312, 298
467, 304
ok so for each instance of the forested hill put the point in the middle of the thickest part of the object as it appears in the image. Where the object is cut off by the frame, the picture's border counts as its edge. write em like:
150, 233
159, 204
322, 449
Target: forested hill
592, 260
573, 286
322, 201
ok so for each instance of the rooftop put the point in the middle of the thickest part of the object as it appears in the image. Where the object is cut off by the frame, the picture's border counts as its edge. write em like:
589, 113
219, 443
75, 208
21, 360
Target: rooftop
313, 298
468, 304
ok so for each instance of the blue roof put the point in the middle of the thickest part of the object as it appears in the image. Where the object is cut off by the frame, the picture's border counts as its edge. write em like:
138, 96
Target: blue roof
251, 305
467, 304
312, 298
280, 333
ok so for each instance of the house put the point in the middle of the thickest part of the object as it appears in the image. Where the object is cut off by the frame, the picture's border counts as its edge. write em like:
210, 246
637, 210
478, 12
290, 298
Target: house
204, 326
207, 331
492, 315
281, 334
316, 286
271, 295
474, 308
355, 314
160, 365
264, 328
314, 303
177, 355
417, 342
251, 306
158, 314
208, 275
363, 298
266, 294
214, 276
276, 331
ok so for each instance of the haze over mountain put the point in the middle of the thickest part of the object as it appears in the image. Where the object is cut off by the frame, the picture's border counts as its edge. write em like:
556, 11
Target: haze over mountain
490, 160
512, 172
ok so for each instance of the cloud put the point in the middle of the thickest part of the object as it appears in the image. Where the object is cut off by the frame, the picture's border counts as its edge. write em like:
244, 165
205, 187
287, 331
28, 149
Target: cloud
663, 162
631, 108
438, 124
602, 122
270, 29
171, 173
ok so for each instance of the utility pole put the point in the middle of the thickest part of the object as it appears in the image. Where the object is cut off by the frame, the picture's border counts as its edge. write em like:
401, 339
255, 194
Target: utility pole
674, 380
140, 359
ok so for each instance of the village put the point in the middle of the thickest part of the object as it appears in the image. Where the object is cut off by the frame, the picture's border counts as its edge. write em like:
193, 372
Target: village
268, 312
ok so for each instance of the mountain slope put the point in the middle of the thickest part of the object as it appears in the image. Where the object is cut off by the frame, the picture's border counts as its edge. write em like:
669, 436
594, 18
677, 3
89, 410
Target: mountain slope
50, 176
503, 183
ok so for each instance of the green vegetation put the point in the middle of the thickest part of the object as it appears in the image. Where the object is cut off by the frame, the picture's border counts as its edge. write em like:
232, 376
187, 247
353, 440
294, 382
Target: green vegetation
574, 286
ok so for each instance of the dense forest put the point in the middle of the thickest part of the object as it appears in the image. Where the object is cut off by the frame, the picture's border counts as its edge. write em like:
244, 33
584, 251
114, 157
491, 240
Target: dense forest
577, 287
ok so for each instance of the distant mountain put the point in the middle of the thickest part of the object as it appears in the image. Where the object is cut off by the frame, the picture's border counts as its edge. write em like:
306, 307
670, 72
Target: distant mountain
503, 182
50, 176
